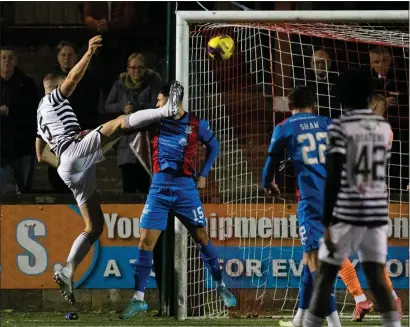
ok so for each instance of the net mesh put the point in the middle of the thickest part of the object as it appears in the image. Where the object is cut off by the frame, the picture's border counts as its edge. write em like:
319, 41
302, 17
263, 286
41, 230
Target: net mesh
243, 98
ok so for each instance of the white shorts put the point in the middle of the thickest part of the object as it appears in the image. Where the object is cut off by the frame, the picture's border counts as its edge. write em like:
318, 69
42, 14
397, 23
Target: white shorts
77, 165
369, 243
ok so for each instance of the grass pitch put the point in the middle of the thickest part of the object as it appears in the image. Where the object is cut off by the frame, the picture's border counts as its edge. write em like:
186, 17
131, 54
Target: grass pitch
54, 319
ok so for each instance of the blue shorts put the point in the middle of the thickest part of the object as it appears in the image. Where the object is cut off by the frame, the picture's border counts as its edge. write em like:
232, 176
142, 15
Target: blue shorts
311, 228
178, 195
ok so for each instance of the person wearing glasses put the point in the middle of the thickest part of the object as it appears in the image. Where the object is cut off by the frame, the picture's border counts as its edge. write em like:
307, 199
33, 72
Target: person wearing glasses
135, 90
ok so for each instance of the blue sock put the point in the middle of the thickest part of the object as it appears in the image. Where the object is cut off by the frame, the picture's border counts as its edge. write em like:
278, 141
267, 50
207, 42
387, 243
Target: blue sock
305, 288
209, 257
332, 302
142, 270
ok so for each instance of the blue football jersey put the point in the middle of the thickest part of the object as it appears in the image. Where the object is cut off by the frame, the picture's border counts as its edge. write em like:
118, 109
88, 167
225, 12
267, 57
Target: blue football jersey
304, 137
174, 144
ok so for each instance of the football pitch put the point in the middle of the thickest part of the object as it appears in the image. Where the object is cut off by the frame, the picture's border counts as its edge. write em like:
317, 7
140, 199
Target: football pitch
55, 319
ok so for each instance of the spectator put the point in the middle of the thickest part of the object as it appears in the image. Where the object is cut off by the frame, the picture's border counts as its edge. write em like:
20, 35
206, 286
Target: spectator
135, 90
18, 107
86, 96
112, 19
84, 101
384, 78
390, 80
321, 79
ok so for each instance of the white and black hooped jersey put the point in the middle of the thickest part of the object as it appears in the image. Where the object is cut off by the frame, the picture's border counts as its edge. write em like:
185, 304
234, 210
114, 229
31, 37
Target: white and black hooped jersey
57, 123
364, 139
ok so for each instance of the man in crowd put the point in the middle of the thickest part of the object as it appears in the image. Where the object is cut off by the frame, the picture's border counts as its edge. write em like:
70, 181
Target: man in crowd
389, 79
18, 104
320, 79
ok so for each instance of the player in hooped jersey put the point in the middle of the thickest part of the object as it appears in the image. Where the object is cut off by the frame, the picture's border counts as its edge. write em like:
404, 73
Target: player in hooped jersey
78, 152
356, 201
175, 190
303, 136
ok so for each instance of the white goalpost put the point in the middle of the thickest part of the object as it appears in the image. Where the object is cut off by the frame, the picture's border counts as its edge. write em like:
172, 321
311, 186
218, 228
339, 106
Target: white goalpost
243, 98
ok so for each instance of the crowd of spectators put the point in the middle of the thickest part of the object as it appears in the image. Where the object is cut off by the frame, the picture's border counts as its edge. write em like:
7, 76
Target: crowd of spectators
320, 72
114, 84
124, 81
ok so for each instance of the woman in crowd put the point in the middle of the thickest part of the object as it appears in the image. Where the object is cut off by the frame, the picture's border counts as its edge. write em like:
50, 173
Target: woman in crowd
135, 90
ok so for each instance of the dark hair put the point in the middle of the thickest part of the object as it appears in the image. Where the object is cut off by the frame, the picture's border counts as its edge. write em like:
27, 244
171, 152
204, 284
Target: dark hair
63, 44
301, 97
54, 75
165, 88
354, 89
8, 48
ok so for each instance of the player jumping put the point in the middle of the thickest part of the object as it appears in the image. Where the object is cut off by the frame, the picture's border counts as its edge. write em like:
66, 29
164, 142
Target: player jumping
174, 190
78, 152
356, 204
304, 137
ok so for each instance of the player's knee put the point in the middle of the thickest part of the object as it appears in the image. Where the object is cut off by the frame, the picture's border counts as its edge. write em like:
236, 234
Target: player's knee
312, 260
201, 236
146, 243
95, 231
121, 122
375, 274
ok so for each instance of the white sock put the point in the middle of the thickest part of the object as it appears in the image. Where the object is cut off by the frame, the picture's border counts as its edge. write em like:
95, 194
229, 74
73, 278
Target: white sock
395, 297
79, 250
360, 298
146, 117
298, 318
219, 284
391, 319
333, 320
139, 296
312, 321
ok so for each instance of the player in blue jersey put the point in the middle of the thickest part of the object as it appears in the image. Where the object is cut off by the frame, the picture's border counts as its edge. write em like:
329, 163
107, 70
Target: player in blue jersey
174, 190
303, 136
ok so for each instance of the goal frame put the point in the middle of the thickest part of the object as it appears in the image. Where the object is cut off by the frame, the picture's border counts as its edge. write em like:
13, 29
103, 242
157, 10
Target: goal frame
183, 19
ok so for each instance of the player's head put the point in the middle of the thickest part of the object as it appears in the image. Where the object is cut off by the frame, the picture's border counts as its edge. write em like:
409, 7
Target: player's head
8, 61
53, 80
380, 60
354, 89
136, 66
378, 104
320, 63
66, 55
301, 99
163, 95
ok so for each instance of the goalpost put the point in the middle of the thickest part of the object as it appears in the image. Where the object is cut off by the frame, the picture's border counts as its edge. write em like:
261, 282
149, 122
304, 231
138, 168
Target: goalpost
243, 98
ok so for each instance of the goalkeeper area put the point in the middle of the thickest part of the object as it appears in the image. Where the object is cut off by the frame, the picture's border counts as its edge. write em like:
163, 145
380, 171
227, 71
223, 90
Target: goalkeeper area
243, 98
107, 320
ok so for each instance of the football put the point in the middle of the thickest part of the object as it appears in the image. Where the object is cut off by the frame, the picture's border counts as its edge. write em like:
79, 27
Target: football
221, 47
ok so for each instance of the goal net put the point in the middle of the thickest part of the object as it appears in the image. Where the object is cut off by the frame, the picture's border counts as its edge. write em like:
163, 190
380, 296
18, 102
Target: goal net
243, 98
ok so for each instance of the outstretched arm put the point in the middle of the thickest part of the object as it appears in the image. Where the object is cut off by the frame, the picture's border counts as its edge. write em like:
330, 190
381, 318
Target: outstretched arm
273, 162
207, 138
335, 157
77, 72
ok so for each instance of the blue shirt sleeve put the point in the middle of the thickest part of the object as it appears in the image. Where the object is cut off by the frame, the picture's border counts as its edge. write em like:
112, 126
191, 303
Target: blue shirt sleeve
206, 136
276, 150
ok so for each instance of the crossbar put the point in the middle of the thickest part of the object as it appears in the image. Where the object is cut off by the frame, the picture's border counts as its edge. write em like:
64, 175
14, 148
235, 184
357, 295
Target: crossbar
399, 16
